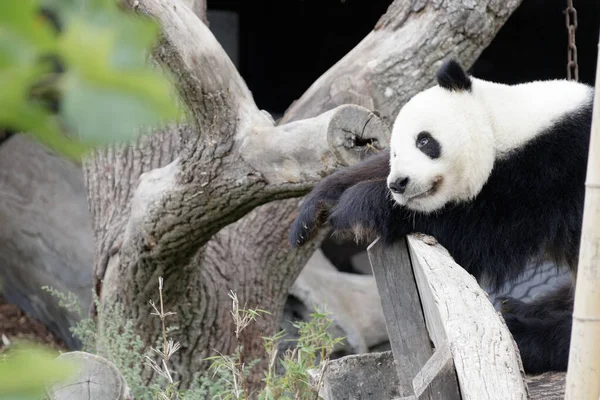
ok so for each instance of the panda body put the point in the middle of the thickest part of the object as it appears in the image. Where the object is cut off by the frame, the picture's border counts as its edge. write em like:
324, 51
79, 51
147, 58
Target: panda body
496, 173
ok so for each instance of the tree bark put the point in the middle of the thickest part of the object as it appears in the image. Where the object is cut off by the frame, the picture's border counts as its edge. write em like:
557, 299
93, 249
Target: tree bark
172, 204
199, 8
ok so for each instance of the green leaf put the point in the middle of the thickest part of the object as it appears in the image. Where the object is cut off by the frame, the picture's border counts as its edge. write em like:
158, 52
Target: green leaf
101, 114
111, 91
108, 92
22, 18
27, 369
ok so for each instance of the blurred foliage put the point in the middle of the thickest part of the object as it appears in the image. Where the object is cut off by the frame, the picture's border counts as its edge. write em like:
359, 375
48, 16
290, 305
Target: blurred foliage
75, 73
25, 370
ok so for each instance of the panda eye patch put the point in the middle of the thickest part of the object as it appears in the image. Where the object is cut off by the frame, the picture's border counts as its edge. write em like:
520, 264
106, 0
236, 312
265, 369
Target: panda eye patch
428, 145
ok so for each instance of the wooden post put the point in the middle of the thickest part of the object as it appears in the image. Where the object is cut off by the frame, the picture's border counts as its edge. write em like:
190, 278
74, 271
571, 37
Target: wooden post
583, 375
459, 314
425, 294
406, 327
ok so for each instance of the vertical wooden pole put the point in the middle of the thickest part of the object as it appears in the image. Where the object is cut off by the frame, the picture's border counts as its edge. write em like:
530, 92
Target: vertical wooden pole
405, 323
583, 376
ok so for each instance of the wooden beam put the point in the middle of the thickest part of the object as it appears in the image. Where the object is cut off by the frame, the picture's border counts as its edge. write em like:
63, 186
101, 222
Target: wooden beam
405, 324
459, 312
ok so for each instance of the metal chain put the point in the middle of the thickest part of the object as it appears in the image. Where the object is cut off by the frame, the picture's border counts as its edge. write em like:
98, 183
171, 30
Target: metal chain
571, 20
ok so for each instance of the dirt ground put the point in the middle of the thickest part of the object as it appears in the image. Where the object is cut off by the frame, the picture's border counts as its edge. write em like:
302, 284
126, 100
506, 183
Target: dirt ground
16, 325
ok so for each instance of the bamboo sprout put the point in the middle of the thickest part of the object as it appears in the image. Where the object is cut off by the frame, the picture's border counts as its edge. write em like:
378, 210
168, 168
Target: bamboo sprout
583, 375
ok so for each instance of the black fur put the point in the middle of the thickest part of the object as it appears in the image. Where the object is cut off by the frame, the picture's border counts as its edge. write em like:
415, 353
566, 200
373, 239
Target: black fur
325, 195
531, 207
451, 76
431, 148
543, 324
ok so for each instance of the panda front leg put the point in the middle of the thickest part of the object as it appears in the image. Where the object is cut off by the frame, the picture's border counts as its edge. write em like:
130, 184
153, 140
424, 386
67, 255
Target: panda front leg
542, 329
315, 207
367, 210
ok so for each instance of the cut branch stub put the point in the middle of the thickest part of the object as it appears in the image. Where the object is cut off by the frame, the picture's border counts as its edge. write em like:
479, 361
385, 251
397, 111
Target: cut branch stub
308, 149
354, 132
96, 379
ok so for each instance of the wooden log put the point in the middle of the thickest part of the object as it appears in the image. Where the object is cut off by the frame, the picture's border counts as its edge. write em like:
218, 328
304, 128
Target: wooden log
458, 311
405, 324
96, 379
352, 299
547, 386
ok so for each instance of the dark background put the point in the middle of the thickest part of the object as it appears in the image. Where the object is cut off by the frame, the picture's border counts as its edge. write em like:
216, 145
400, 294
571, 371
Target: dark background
284, 46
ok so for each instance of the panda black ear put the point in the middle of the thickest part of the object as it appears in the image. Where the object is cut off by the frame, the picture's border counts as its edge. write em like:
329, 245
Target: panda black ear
451, 76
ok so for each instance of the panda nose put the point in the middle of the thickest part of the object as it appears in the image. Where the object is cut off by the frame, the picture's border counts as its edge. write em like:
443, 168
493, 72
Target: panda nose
399, 185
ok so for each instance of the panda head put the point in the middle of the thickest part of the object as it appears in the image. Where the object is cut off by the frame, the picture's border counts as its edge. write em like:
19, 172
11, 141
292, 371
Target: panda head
441, 148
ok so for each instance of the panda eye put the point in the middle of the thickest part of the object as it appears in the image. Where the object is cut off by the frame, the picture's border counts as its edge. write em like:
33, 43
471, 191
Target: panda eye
423, 139
428, 145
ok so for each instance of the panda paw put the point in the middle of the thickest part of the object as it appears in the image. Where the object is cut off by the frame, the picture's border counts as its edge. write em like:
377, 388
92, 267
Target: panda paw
366, 211
306, 223
326, 194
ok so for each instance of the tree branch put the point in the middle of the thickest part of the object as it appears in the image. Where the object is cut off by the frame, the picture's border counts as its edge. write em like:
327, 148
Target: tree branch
402, 54
302, 152
199, 8
237, 160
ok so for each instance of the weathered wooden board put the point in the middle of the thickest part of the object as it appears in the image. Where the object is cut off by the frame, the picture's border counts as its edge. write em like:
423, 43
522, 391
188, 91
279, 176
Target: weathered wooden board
547, 386
458, 311
405, 324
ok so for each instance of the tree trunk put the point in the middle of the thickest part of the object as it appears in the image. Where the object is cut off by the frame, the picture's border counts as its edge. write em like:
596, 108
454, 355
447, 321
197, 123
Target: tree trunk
195, 202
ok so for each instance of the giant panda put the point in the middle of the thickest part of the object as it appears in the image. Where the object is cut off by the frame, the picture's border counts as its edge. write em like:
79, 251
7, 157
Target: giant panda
496, 173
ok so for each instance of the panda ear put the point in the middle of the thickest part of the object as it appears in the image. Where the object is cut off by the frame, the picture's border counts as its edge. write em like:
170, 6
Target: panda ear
451, 76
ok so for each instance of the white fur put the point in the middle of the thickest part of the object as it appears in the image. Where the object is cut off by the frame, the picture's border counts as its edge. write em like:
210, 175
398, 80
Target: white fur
521, 112
474, 129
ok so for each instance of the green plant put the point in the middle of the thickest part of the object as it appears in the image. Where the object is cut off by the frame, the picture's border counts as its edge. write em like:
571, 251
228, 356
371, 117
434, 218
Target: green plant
313, 349
70, 97
169, 347
233, 370
118, 342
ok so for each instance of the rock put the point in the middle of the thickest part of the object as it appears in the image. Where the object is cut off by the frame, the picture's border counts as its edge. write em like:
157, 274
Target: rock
46, 236
361, 377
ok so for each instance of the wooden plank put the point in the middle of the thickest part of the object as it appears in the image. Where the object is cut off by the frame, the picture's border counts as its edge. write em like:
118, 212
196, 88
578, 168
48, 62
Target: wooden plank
459, 311
436, 366
547, 386
408, 335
